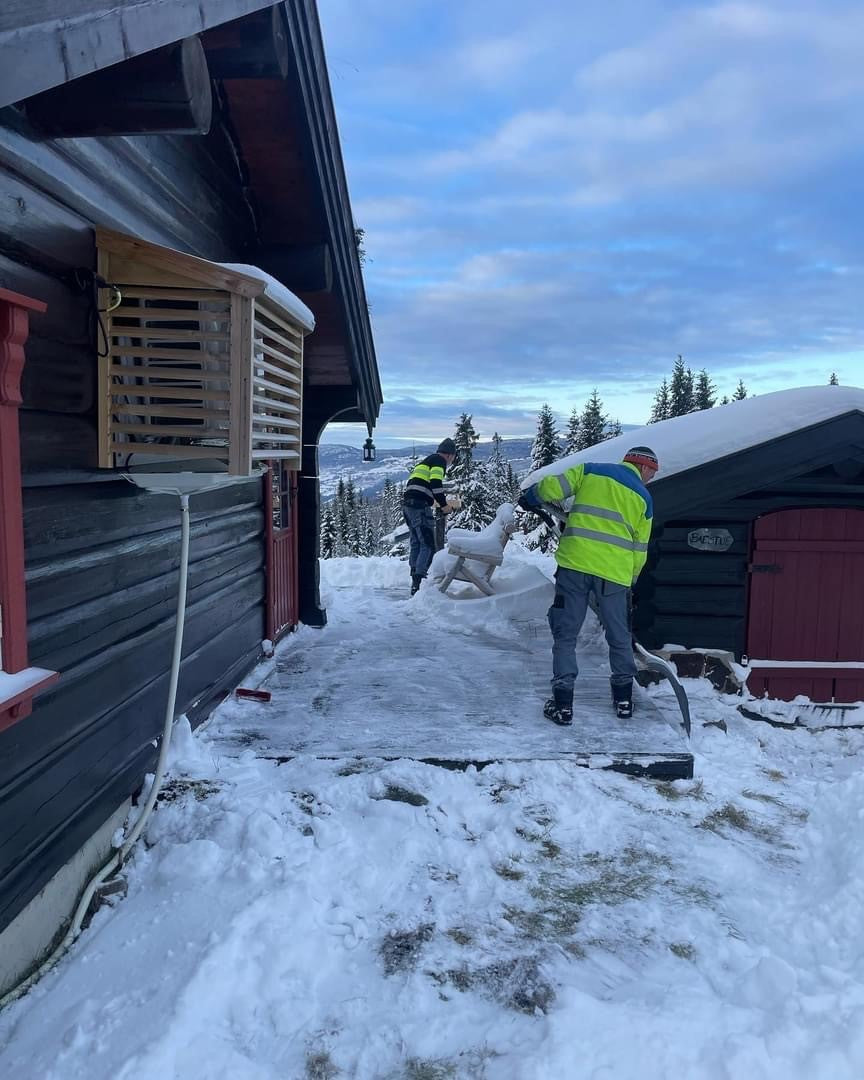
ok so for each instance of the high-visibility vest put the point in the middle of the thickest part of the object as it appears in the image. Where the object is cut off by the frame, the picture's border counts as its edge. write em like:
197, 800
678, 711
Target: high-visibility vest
426, 481
609, 513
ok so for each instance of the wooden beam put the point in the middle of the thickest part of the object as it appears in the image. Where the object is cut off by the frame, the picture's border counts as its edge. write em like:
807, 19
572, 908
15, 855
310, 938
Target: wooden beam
306, 268
167, 91
252, 48
42, 46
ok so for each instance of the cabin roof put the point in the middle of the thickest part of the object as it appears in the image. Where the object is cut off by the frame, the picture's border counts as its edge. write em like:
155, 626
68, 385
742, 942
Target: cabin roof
713, 435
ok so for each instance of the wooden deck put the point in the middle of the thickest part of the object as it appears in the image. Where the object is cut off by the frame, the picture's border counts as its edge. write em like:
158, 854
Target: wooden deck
477, 700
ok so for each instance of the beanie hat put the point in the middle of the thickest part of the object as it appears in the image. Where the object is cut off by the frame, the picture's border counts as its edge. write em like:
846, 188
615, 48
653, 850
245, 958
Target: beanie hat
642, 455
447, 446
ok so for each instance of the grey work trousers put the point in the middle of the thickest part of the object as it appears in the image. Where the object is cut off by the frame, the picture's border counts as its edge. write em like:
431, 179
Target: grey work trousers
421, 546
572, 592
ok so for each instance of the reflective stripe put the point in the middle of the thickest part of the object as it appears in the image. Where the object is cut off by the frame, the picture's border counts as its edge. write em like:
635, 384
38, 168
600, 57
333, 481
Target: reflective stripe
436, 473
566, 487
601, 512
418, 487
604, 538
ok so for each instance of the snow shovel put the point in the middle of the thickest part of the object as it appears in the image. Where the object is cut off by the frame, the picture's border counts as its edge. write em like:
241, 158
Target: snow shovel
651, 662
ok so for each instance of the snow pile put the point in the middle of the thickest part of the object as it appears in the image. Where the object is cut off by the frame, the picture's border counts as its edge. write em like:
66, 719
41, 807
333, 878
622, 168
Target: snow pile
378, 571
688, 441
489, 540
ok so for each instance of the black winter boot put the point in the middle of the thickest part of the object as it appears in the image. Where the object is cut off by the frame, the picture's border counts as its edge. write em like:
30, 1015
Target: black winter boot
559, 708
415, 583
622, 697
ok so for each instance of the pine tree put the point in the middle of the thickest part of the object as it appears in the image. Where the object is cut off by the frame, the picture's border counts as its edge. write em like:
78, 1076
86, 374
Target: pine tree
496, 474
724, 400
681, 389
571, 435
592, 422
740, 391
660, 408
466, 438
705, 394
833, 381
546, 448
613, 429
328, 534
350, 494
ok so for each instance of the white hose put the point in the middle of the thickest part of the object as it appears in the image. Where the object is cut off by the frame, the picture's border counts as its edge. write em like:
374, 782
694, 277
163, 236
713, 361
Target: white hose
119, 857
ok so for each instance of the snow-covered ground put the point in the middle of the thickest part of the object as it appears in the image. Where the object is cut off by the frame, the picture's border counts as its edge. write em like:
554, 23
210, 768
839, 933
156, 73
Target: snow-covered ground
310, 918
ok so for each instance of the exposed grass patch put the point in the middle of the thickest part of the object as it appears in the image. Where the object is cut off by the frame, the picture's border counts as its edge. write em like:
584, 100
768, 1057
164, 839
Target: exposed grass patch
508, 872
395, 793
428, 1069
180, 788
400, 950
765, 797
516, 982
319, 1066
673, 790
683, 949
775, 775
460, 936
734, 817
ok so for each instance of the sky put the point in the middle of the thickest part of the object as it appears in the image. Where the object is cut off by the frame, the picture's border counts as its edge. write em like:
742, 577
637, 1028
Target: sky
558, 196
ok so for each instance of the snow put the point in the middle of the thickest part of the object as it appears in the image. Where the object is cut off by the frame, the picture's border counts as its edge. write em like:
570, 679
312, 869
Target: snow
686, 442
489, 540
277, 292
298, 916
13, 685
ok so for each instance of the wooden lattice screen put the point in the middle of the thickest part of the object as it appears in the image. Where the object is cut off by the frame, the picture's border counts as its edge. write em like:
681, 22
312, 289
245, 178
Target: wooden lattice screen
193, 371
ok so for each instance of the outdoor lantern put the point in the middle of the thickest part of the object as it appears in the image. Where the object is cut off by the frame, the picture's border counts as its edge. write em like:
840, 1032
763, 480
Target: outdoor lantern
369, 450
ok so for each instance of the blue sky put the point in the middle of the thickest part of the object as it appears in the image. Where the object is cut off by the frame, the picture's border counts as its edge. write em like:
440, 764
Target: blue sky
558, 196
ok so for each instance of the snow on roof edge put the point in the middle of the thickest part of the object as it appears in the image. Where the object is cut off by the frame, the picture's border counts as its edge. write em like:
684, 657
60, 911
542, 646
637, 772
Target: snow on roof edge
686, 442
276, 291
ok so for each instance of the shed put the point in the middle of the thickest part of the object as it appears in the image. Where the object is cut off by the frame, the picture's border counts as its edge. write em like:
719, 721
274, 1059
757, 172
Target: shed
757, 548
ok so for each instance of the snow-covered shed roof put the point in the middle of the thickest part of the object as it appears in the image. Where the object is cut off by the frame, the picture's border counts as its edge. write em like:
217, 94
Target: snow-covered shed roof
277, 292
686, 442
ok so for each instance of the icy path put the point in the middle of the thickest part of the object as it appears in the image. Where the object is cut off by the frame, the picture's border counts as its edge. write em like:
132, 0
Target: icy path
317, 919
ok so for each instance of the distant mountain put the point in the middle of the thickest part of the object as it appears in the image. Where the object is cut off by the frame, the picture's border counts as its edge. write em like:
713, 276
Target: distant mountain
369, 476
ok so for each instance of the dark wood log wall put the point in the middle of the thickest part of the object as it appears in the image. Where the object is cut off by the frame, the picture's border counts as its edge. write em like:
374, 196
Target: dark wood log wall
101, 556
699, 599
182, 191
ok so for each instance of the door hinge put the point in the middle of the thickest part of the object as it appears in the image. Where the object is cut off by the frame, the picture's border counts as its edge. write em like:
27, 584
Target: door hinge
765, 568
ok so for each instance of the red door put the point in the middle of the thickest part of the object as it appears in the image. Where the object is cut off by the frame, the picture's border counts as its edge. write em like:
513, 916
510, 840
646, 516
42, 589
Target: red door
280, 508
806, 593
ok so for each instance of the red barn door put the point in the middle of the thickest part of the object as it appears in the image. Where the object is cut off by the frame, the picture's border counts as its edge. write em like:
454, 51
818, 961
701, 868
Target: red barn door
280, 508
806, 590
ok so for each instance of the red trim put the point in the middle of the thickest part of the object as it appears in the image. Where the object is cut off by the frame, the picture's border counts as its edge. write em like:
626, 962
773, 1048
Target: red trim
14, 326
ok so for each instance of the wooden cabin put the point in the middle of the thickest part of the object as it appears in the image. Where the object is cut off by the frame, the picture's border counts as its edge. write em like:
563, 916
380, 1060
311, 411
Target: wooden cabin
757, 549
180, 290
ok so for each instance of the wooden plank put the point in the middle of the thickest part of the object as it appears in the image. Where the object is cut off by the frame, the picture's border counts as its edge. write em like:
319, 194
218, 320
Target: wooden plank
280, 455
154, 333
273, 421
105, 458
277, 354
260, 383
152, 264
157, 431
155, 352
172, 450
169, 314
285, 407
265, 310
190, 412
273, 437
191, 393
263, 331
272, 369
141, 292
150, 371
239, 460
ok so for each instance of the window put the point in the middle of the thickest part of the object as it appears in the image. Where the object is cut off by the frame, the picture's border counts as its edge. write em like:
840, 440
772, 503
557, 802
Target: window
19, 683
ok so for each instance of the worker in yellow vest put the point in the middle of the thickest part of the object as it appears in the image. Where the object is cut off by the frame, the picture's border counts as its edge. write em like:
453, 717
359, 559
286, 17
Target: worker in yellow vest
425, 490
601, 551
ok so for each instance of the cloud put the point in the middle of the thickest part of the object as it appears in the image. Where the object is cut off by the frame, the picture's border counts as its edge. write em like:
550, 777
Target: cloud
572, 196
